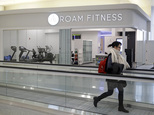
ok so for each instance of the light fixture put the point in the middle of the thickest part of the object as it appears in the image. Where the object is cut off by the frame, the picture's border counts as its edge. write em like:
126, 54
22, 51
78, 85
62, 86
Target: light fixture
31, 88
73, 110
53, 107
93, 86
83, 96
88, 96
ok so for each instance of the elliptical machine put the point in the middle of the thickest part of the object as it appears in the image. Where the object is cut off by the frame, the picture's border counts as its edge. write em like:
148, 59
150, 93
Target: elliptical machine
48, 55
44, 54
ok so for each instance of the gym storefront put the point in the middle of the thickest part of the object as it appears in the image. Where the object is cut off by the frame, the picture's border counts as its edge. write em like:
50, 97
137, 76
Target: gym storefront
37, 35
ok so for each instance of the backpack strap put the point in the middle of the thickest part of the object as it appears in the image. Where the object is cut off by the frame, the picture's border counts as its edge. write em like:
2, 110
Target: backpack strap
108, 66
113, 68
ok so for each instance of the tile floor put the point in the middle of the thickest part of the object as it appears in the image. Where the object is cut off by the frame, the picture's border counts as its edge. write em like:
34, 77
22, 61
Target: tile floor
104, 107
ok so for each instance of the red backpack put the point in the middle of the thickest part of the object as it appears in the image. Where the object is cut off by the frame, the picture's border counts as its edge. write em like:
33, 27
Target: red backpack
102, 66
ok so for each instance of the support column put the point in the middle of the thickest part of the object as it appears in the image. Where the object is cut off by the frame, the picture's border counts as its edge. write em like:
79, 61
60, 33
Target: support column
149, 37
124, 42
17, 52
65, 46
1, 45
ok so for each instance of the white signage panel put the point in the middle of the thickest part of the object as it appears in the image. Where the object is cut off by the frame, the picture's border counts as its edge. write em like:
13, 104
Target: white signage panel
90, 18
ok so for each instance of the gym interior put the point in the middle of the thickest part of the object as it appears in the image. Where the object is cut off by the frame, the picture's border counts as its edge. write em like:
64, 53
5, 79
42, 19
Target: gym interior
87, 45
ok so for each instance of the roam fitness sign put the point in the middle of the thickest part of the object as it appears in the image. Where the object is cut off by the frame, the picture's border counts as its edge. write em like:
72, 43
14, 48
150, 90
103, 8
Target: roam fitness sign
54, 19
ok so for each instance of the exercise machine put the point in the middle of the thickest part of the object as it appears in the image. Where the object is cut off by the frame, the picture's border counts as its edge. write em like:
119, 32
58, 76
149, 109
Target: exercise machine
10, 57
22, 50
44, 54
14, 48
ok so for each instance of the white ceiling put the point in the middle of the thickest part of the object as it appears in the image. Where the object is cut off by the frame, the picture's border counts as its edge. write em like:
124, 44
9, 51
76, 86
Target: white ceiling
11, 2
152, 2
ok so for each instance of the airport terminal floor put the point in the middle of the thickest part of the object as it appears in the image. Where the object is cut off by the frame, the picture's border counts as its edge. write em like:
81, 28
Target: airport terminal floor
35, 89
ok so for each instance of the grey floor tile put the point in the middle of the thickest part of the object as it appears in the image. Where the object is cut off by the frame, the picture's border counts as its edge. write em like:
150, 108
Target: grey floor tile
12, 110
104, 108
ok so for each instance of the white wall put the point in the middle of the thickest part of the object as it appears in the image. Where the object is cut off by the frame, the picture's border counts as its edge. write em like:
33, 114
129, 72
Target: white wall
152, 23
10, 39
150, 42
22, 36
141, 46
139, 21
95, 38
40, 38
92, 36
52, 39
31, 39
6, 42
150, 52
139, 52
108, 40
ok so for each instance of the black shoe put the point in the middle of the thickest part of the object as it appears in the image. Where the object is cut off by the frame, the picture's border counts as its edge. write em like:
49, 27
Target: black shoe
122, 109
95, 101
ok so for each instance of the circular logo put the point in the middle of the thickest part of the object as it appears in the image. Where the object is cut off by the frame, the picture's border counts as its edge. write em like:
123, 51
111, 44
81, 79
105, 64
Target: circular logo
53, 19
